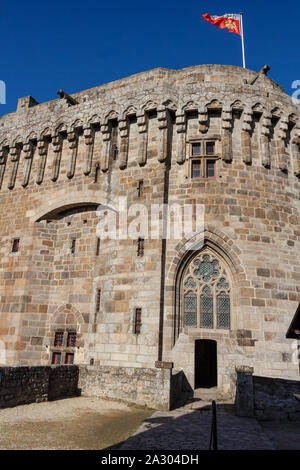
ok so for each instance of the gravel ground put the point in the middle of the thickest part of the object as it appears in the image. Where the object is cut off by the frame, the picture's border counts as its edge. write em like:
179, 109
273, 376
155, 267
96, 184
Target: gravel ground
75, 423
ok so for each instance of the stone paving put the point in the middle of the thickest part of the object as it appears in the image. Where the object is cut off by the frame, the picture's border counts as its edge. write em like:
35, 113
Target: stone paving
188, 428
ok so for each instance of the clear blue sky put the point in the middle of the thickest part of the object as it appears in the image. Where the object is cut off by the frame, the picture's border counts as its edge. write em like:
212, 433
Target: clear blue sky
75, 45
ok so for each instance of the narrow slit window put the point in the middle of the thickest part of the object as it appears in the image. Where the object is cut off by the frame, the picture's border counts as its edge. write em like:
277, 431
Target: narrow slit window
73, 245
115, 152
97, 172
140, 188
15, 245
137, 321
98, 299
98, 247
140, 248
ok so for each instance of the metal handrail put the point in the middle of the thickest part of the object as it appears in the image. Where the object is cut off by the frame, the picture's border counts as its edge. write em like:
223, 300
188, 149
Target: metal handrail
213, 443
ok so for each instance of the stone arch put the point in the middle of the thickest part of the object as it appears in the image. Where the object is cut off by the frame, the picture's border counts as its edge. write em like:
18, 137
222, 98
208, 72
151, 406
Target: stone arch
77, 124
93, 120
61, 201
150, 105
190, 106
68, 310
214, 104
31, 136
60, 128
17, 141
130, 110
111, 114
170, 104
237, 105
219, 244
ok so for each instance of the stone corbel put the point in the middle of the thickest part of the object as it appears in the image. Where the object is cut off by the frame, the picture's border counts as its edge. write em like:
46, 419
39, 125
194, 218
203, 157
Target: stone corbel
3, 157
42, 147
89, 137
226, 134
106, 145
73, 146
142, 122
180, 136
281, 145
264, 140
124, 143
296, 153
28, 150
163, 138
57, 143
203, 120
14, 154
246, 135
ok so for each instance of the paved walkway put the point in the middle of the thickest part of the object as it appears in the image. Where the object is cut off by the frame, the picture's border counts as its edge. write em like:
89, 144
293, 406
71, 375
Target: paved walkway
188, 428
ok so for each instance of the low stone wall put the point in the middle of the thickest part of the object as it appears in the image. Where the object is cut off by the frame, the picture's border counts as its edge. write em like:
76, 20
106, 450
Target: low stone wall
23, 385
147, 387
274, 398
267, 398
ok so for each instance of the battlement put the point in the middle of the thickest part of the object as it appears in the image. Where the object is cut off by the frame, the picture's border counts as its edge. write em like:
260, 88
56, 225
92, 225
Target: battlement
205, 100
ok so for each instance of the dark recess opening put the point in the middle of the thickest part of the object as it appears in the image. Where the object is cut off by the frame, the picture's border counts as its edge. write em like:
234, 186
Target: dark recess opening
205, 363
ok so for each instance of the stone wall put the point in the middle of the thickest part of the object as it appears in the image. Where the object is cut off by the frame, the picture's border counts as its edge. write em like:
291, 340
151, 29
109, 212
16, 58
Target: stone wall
267, 398
273, 398
23, 385
146, 387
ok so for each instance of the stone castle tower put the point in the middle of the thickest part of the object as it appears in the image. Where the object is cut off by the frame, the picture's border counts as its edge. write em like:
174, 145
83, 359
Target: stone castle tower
131, 311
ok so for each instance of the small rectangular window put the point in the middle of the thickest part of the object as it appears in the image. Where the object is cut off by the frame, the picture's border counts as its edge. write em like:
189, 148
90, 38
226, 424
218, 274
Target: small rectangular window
15, 245
211, 168
73, 245
59, 338
137, 321
56, 358
71, 339
196, 149
210, 148
69, 359
196, 169
140, 248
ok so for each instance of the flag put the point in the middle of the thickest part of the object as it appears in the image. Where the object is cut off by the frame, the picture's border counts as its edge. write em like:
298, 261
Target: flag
229, 21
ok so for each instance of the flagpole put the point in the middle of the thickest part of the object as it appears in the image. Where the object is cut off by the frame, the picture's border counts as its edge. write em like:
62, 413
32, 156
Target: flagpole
242, 37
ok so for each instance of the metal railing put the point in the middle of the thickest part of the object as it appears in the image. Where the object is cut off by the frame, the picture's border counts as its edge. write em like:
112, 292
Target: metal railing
213, 443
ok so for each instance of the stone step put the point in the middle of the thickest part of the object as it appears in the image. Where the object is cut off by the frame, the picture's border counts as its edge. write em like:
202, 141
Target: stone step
206, 393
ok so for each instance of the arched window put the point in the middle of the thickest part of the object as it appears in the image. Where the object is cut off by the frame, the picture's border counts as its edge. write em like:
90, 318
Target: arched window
206, 293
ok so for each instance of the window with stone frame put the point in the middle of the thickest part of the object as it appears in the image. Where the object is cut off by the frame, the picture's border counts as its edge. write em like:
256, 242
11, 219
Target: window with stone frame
203, 158
15, 245
63, 347
137, 321
206, 293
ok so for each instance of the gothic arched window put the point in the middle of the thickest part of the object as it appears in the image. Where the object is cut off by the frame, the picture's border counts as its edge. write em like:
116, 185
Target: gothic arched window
206, 293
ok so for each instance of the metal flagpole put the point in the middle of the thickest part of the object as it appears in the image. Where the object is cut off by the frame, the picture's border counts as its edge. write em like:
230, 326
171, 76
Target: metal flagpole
242, 37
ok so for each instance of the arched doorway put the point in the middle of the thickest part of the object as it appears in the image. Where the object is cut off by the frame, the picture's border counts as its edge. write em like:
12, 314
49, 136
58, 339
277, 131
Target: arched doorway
206, 369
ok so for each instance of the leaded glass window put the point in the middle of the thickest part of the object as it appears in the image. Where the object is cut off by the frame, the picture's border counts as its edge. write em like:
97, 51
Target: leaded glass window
206, 293
190, 309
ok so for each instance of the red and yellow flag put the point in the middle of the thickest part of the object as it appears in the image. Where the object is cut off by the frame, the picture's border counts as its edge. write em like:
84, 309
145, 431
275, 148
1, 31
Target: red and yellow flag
229, 21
